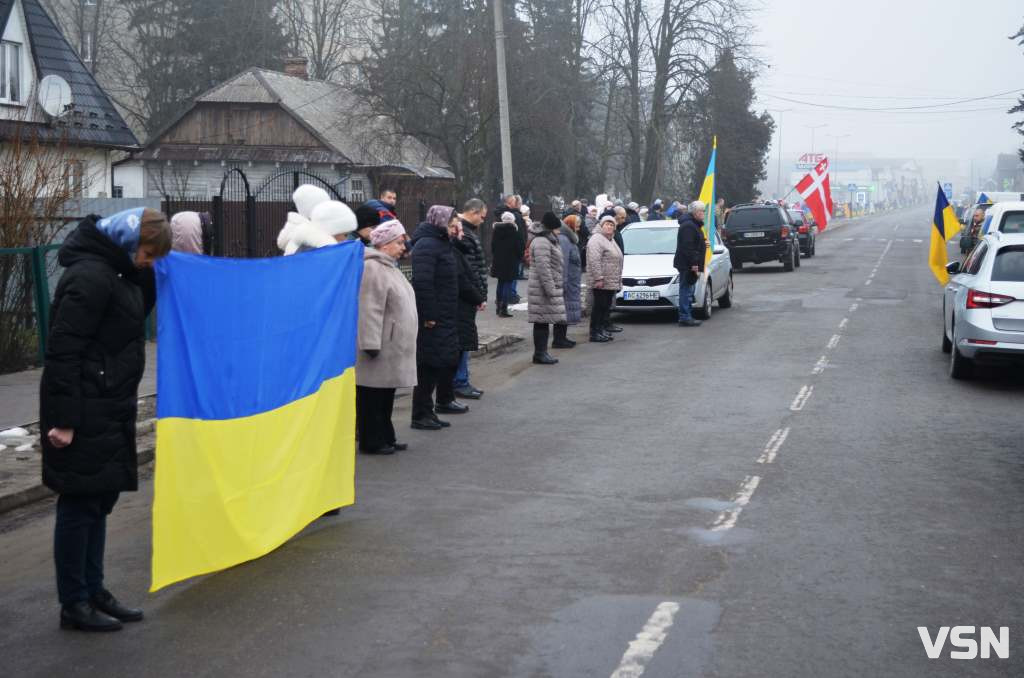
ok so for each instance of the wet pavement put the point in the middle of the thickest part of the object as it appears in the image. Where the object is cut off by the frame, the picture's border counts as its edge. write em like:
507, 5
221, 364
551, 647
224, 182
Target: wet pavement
789, 490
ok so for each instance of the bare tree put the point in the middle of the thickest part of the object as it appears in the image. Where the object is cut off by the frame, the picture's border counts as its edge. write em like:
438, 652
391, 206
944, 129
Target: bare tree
663, 50
324, 32
39, 173
90, 27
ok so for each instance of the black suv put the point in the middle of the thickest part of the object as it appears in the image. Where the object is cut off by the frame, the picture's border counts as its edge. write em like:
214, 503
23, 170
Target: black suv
806, 234
760, 232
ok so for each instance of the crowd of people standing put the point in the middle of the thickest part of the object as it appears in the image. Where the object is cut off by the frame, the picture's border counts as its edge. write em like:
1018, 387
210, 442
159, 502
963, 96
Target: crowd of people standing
416, 333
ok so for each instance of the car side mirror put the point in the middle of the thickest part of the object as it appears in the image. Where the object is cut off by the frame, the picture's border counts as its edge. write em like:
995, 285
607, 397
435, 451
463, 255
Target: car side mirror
953, 267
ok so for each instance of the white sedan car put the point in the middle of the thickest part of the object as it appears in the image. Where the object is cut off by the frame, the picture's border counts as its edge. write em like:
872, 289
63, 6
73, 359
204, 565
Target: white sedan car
651, 283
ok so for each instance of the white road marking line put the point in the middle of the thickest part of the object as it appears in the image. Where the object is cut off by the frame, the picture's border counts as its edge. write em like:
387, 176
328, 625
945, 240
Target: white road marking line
647, 642
834, 341
882, 240
726, 520
868, 282
897, 227
848, 239
820, 366
771, 450
854, 307
801, 398
918, 240
844, 322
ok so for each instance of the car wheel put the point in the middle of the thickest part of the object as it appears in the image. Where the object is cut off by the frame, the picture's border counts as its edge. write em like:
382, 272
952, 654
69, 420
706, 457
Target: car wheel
959, 366
797, 255
789, 262
704, 312
725, 301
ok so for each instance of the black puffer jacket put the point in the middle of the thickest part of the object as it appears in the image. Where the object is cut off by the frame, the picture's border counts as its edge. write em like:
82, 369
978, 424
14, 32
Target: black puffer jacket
435, 280
506, 251
95, 357
690, 245
474, 251
470, 297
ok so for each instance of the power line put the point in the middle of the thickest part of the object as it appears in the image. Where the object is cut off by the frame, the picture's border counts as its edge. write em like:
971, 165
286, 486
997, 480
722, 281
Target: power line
895, 108
868, 96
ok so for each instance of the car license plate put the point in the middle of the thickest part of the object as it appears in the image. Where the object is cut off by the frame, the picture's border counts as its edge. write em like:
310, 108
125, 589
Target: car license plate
641, 296
754, 234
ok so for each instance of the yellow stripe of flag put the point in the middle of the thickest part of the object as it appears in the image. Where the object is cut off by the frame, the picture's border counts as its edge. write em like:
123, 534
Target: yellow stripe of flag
944, 227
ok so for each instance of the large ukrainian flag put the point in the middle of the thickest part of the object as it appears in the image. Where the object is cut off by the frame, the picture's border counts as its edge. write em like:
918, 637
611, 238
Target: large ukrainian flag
256, 403
707, 196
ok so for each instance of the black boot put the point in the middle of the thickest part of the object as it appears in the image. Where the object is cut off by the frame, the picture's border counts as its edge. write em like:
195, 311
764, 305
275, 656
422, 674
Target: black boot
561, 338
503, 311
106, 603
544, 359
599, 338
84, 617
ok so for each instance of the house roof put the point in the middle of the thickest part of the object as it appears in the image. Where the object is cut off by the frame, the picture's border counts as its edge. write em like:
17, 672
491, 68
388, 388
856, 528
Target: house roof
334, 116
94, 120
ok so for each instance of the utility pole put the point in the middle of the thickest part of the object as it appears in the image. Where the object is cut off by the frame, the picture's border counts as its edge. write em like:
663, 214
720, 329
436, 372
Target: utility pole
506, 128
778, 168
812, 128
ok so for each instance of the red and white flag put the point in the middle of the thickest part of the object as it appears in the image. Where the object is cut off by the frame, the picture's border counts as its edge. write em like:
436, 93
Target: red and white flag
815, 191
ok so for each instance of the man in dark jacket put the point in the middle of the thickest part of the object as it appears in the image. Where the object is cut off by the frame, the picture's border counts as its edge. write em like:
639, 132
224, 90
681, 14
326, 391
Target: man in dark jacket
689, 260
473, 214
94, 361
656, 212
435, 279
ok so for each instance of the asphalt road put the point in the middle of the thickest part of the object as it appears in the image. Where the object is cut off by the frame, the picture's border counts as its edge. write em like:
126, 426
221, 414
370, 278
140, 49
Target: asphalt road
789, 490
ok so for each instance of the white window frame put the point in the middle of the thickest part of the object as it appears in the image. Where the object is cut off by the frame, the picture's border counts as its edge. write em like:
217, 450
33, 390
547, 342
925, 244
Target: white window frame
7, 68
357, 194
87, 48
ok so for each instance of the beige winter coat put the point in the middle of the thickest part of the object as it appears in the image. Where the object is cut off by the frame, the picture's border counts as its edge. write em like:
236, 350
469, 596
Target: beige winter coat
604, 263
387, 323
547, 302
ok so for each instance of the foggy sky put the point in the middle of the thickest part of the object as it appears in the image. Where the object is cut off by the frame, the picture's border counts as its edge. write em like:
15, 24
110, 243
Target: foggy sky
934, 51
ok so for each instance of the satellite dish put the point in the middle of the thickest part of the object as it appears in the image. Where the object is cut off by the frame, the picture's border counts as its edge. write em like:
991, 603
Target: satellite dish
54, 95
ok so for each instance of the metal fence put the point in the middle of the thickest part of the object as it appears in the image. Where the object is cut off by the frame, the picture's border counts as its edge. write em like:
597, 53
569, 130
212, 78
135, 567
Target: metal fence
25, 275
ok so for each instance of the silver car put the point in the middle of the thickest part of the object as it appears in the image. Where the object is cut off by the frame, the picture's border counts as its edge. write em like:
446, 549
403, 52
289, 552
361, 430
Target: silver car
651, 283
983, 306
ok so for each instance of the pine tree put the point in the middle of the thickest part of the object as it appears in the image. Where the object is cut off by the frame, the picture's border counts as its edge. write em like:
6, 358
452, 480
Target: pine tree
743, 135
184, 47
1019, 107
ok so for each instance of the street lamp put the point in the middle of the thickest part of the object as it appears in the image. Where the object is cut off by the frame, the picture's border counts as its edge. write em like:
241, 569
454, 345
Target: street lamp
812, 128
835, 158
778, 168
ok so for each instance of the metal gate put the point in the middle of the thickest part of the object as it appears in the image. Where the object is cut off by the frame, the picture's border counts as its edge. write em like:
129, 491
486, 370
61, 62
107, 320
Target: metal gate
246, 223
233, 217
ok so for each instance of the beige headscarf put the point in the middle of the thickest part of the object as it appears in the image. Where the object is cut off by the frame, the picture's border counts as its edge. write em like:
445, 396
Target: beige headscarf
187, 233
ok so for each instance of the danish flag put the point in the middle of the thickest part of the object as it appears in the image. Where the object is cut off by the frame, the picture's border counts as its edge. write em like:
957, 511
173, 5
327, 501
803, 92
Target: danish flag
815, 191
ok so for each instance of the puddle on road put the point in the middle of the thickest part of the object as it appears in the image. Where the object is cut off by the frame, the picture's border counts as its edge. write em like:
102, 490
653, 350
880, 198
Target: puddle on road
709, 504
733, 537
589, 637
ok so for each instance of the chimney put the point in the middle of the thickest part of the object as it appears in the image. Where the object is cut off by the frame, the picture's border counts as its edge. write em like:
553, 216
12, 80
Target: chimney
297, 66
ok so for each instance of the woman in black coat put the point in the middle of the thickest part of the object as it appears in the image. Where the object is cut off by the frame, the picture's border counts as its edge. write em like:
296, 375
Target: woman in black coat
506, 256
94, 361
435, 279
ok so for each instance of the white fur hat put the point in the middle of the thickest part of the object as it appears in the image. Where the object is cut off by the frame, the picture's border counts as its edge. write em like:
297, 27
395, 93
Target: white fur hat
307, 197
334, 218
